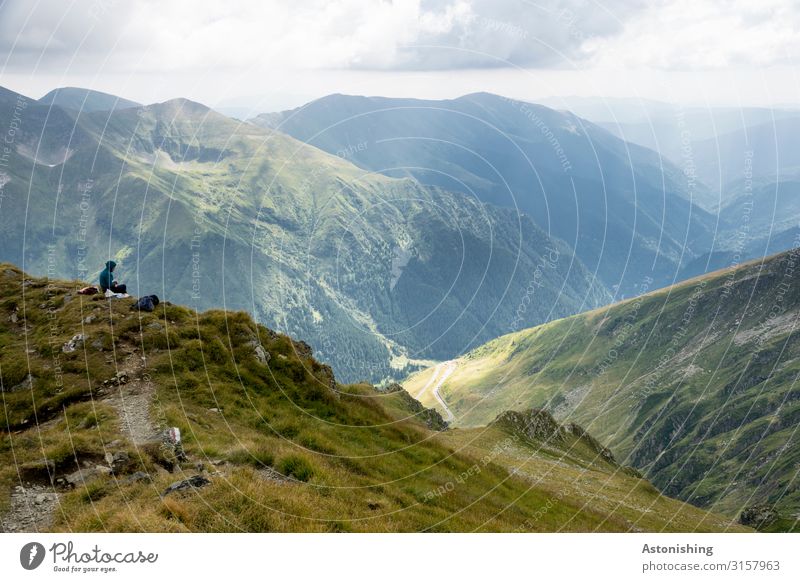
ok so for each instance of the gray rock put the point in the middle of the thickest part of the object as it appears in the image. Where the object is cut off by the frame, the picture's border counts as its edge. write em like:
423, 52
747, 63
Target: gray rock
194, 482
86, 475
43, 498
262, 355
89, 319
119, 379
26, 384
138, 477
118, 461
73, 344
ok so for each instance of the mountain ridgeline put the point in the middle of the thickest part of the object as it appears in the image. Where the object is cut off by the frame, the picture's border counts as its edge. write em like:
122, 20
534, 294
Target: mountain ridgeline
694, 385
624, 210
376, 273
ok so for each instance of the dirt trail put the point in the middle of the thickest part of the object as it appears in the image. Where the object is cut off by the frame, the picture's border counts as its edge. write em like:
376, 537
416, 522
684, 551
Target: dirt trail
132, 399
32, 509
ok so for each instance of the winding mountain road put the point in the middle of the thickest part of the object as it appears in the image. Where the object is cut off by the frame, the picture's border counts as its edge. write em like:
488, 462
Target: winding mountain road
440, 374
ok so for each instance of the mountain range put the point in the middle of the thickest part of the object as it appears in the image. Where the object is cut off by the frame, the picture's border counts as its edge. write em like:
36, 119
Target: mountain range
481, 240
625, 211
377, 273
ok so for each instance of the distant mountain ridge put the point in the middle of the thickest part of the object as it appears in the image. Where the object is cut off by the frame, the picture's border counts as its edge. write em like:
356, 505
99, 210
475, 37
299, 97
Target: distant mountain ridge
86, 100
624, 210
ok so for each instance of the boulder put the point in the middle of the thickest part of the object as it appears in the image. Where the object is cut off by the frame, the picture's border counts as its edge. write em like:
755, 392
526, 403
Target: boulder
194, 482
262, 355
73, 344
118, 461
86, 475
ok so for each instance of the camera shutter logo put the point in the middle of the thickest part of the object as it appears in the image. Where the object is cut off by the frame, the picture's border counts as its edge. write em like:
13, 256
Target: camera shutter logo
31, 555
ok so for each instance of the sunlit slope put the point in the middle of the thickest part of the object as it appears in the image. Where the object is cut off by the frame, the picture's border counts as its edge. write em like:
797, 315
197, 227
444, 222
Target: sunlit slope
694, 385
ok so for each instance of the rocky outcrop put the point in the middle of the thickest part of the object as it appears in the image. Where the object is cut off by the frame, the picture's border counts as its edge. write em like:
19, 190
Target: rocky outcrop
533, 424
595, 445
262, 355
431, 417
539, 425
758, 516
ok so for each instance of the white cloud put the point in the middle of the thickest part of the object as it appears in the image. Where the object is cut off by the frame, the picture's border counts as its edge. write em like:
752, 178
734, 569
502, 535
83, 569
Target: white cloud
164, 35
261, 37
704, 34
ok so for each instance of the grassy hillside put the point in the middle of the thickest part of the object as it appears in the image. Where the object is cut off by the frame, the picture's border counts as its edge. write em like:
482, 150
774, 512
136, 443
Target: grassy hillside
695, 385
283, 446
374, 272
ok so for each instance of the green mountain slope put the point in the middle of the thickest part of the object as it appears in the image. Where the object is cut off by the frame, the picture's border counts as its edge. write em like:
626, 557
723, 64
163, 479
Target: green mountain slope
377, 273
271, 441
624, 210
694, 385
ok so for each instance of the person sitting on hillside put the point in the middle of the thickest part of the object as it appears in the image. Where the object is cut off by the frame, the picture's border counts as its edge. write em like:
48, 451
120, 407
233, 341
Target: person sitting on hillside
107, 282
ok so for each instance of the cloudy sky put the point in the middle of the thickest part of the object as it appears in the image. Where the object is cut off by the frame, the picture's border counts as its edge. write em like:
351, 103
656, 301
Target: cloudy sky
272, 54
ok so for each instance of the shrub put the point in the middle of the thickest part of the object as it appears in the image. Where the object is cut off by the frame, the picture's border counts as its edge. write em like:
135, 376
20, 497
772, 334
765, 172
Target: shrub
296, 466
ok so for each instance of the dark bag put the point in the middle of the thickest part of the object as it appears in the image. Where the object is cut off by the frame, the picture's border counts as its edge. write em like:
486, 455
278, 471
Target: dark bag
147, 303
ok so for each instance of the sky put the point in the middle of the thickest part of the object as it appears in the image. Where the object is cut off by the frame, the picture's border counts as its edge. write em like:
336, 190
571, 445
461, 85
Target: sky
275, 54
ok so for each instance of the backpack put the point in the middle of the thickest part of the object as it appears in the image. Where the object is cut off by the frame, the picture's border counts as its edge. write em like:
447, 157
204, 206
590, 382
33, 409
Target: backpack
147, 303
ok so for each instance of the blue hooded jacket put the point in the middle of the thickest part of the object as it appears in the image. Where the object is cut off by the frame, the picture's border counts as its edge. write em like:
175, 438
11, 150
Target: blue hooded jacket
106, 278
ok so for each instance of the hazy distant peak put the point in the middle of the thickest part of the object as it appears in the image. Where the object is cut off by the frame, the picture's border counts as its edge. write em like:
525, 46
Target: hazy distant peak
88, 100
